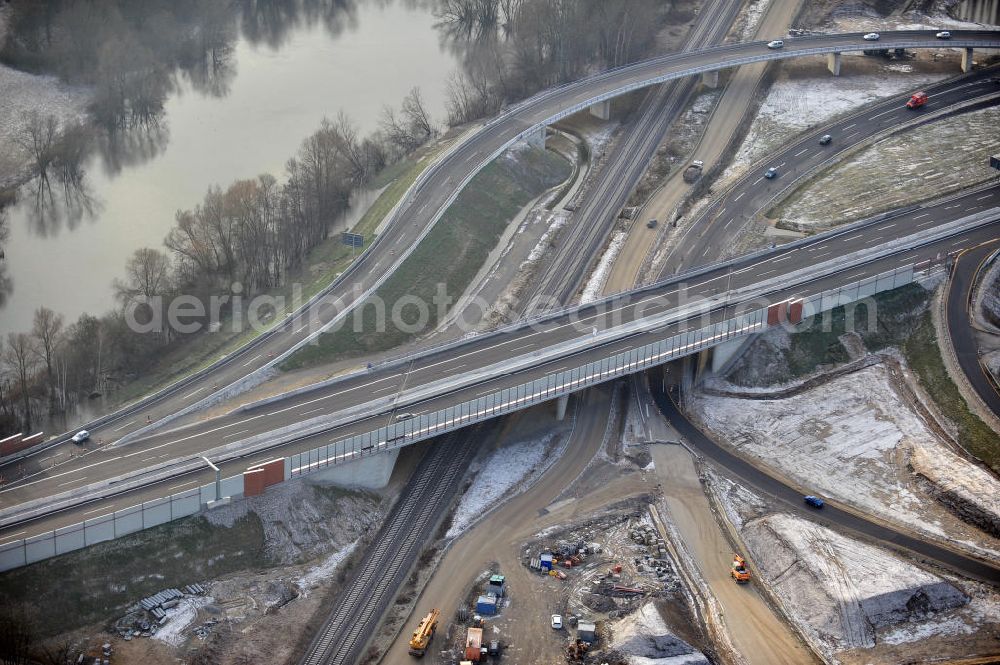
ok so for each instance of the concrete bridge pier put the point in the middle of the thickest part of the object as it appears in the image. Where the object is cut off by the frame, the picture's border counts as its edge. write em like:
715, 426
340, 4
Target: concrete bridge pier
601, 110
561, 404
537, 138
966, 60
724, 354
710, 79
833, 63
370, 473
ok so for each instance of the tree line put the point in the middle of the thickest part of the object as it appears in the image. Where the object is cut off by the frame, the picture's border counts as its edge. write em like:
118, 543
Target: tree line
251, 232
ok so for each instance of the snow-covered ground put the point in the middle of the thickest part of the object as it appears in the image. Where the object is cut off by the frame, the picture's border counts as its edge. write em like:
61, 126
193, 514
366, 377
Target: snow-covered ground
953, 153
507, 469
594, 288
850, 439
839, 590
644, 639
323, 571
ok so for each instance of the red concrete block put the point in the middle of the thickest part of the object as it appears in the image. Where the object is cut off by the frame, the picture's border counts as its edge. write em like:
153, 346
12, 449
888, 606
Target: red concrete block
795, 312
777, 313
253, 482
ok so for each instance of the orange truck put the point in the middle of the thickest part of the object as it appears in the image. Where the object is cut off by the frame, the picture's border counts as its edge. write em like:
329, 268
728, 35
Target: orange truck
917, 100
739, 570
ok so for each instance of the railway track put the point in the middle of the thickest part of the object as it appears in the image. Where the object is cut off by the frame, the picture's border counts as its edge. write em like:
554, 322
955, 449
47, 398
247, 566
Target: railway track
358, 610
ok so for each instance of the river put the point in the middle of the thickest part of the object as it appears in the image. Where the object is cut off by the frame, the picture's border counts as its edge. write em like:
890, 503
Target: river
277, 96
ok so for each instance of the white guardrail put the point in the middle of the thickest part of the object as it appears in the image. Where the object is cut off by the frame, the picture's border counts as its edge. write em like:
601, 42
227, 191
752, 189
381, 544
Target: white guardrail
152, 513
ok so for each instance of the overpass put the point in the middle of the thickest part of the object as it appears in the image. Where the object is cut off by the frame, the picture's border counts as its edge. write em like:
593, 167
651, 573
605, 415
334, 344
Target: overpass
376, 412
438, 187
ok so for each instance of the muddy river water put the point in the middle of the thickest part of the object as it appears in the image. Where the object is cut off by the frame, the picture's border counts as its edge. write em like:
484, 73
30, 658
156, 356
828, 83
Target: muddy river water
370, 55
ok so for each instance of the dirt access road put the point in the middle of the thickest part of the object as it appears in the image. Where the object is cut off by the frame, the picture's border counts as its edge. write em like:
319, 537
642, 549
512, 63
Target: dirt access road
721, 126
497, 538
755, 630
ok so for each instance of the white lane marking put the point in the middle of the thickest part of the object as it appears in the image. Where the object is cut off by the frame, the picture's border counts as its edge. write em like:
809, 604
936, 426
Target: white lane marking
229, 436
383, 390
849, 126
306, 413
8, 542
60, 475
123, 426
46, 459
816, 256
889, 226
194, 392
70, 482
983, 198
800, 152
740, 196
95, 510
925, 223
523, 346
926, 214
175, 487
879, 115
780, 165
301, 329
784, 257
728, 223
149, 458
851, 237
252, 359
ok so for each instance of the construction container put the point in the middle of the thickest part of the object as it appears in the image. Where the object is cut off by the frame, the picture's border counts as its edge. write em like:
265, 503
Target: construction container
473, 644
497, 585
587, 632
486, 605
546, 561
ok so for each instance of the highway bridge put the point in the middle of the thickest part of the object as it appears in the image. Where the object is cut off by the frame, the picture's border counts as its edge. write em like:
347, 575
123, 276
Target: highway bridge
438, 187
378, 411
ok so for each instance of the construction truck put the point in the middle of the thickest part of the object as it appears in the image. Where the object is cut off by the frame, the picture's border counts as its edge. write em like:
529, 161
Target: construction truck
424, 633
739, 571
917, 100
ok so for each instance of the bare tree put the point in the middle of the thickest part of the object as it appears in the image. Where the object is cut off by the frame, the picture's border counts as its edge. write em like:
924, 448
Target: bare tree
19, 357
46, 330
36, 136
417, 116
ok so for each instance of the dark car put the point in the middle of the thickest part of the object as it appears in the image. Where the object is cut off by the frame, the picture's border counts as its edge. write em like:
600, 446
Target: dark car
825, 139
651, 224
771, 173
814, 501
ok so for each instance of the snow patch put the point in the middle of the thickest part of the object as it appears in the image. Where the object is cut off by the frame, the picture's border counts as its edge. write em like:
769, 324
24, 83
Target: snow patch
325, 570
594, 288
501, 472
644, 639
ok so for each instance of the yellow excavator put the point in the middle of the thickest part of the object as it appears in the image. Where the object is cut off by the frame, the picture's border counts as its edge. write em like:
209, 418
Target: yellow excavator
424, 632
740, 572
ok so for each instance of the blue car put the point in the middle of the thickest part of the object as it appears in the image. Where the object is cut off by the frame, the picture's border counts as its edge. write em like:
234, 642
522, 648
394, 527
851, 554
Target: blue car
814, 501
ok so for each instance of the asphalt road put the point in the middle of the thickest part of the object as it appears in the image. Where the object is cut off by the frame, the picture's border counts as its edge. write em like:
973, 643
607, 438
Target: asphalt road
752, 194
421, 209
70, 476
959, 316
831, 514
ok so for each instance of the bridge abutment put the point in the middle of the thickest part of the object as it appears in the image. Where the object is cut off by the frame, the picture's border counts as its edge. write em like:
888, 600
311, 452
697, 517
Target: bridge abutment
710, 79
966, 60
833, 63
601, 110
370, 473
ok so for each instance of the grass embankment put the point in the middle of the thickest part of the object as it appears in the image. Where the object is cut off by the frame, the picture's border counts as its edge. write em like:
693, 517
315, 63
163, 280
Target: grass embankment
97, 584
451, 254
923, 354
320, 268
902, 321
